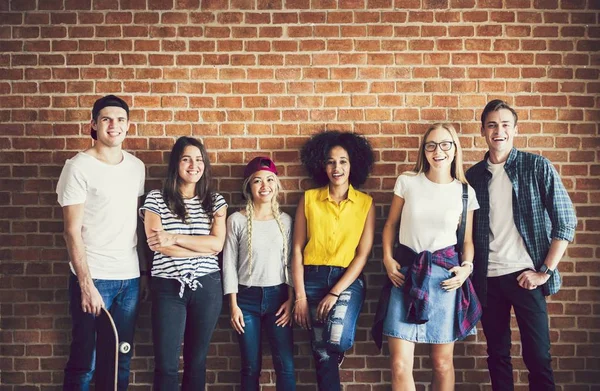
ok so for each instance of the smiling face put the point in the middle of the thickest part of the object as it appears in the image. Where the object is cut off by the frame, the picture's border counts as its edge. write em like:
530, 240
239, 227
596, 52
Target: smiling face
111, 126
437, 140
191, 165
263, 187
499, 130
337, 166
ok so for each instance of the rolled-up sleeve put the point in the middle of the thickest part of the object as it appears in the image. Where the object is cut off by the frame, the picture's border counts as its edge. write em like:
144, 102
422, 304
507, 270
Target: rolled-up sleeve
559, 206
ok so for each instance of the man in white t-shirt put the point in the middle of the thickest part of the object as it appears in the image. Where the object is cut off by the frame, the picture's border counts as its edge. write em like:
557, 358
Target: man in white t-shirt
520, 233
99, 190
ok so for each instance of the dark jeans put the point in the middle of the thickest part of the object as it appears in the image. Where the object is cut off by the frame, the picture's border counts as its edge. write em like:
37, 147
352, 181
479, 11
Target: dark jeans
121, 298
259, 306
503, 293
190, 319
332, 338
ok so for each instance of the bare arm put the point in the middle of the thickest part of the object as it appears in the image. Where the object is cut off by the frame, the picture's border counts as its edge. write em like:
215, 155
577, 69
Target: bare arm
468, 250
463, 271
284, 313
389, 236
555, 253
298, 245
91, 301
301, 307
145, 256
144, 253
236, 315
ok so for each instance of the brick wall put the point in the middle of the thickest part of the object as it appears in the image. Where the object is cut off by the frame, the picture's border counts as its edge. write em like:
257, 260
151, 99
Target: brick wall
261, 75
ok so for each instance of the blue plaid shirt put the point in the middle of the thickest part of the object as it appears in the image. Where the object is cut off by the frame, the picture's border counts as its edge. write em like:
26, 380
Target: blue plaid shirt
542, 211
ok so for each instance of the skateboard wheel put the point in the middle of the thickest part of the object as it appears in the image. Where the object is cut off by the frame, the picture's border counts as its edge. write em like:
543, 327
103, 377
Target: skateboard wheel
124, 347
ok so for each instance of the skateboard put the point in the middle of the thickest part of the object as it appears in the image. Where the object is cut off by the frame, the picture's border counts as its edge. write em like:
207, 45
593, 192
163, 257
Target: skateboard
107, 352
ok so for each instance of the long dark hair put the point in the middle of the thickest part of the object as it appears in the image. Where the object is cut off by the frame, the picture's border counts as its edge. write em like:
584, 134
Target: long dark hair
171, 193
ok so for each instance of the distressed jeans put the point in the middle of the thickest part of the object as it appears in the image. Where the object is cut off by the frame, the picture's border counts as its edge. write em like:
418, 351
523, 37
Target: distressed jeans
332, 338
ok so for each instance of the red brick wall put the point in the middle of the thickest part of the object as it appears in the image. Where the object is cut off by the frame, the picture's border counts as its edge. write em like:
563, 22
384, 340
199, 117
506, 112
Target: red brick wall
261, 75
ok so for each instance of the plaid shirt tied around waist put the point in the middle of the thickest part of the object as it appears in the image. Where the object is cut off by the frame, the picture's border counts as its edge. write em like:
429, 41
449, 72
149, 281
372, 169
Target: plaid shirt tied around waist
416, 288
468, 309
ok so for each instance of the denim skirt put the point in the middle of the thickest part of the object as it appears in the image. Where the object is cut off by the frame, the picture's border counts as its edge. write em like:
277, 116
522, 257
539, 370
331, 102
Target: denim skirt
442, 313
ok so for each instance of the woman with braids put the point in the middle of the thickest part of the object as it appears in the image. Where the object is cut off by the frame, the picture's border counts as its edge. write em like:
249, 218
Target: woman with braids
185, 225
256, 276
425, 300
333, 235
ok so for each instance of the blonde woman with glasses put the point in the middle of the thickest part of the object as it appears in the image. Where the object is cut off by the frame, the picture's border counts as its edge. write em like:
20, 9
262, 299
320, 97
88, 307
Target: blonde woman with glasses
428, 298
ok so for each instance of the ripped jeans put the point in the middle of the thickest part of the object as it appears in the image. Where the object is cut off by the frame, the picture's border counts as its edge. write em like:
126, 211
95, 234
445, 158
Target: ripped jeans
332, 338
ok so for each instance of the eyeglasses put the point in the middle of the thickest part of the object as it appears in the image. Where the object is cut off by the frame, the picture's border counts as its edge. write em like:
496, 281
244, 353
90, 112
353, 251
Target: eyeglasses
444, 146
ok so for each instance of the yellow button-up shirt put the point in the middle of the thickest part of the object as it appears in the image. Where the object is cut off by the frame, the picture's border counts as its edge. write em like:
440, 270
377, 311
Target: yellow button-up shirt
334, 230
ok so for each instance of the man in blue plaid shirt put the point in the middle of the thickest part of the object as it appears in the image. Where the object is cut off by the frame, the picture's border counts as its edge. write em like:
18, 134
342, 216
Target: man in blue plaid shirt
520, 234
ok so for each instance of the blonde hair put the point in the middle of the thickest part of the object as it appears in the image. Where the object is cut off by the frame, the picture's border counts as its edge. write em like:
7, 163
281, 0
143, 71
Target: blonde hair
456, 169
276, 214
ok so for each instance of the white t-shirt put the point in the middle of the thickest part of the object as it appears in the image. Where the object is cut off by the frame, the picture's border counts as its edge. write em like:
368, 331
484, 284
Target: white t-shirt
431, 211
110, 197
508, 253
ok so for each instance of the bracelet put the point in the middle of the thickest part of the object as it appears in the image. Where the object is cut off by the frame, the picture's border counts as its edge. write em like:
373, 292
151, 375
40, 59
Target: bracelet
469, 263
300, 299
333, 294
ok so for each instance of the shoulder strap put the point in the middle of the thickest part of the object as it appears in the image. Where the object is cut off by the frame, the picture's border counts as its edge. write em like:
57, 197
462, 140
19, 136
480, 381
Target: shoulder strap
460, 233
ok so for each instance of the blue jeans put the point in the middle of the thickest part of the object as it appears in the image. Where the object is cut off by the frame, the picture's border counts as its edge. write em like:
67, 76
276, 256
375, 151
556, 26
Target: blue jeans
259, 306
531, 312
190, 319
331, 339
121, 298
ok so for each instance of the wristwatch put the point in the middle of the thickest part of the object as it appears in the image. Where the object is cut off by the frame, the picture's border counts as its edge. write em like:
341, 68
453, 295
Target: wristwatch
546, 270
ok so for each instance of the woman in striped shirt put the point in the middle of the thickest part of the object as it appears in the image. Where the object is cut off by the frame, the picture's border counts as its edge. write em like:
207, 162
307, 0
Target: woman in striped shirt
185, 225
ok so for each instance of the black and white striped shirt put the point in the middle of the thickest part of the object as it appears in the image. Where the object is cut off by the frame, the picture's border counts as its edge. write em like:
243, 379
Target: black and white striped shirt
183, 269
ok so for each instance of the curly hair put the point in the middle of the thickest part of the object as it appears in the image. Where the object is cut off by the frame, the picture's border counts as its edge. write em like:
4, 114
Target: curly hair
315, 153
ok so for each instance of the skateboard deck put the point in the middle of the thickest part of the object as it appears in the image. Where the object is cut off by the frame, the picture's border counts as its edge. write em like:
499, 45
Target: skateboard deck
107, 352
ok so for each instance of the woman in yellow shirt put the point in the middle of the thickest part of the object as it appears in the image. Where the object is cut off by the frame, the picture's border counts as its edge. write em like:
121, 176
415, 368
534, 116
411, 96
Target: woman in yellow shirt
333, 236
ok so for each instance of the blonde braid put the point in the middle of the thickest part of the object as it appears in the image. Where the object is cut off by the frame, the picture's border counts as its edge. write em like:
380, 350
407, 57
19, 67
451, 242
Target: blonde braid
277, 215
249, 217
